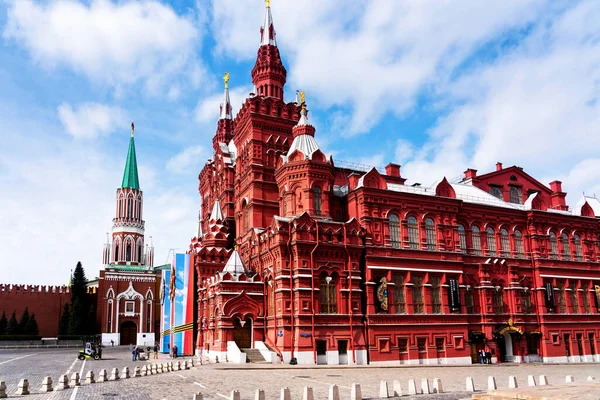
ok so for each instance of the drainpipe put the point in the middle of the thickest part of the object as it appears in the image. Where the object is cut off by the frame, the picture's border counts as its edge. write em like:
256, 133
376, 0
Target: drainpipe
350, 295
289, 246
312, 280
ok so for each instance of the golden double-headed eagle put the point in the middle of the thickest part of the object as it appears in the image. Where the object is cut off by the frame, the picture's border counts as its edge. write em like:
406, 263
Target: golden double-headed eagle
268, 3
226, 80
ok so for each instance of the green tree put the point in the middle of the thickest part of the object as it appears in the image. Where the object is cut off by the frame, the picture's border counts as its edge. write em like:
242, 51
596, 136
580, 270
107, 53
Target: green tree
63, 327
13, 326
80, 303
32, 326
23, 321
3, 323
76, 324
90, 327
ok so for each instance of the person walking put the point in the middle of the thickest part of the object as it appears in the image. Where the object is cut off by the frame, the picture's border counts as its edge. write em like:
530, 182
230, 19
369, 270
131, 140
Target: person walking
175, 349
155, 351
134, 354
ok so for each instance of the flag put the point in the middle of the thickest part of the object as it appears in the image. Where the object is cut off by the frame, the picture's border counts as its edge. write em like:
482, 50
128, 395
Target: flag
172, 285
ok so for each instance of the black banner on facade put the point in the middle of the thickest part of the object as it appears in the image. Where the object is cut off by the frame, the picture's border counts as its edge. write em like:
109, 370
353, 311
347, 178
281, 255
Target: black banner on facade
453, 295
549, 295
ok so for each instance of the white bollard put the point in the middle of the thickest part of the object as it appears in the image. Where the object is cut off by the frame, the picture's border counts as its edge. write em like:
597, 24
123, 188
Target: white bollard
47, 384
23, 387
425, 386
155, 369
591, 378
198, 396
437, 386
3, 394
334, 392
531, 380
569, 379
491, 383
144, 370
397, 389
543, 380
102, 376
178, 366
125, 373
259, 394
161, 368
308, 393
114, 374
63, 382
137, 372
383, 390
356, 393
235, 395
186, 365
512, 382
469, 384
89, 377
285, 394
75, 379
412, 387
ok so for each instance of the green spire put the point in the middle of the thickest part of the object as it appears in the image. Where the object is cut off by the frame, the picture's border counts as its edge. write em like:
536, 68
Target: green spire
130, 177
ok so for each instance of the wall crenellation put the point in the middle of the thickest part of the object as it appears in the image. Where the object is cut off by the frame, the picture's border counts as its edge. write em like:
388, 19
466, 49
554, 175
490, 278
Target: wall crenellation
12, 289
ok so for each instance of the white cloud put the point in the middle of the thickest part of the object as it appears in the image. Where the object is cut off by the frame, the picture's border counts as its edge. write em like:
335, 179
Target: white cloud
404, 151
190, 159
374, 57
90, 120
208, 108
114, 43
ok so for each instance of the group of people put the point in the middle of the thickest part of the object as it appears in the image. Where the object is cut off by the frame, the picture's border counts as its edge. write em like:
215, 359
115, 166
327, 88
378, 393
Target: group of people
485, 357
136, 351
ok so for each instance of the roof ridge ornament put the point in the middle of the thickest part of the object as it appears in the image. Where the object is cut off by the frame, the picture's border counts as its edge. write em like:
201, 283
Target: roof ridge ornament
226, 105
268, 3
132, 129
226, 80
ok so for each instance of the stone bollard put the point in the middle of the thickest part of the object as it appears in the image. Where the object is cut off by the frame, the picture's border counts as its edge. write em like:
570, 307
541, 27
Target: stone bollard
437, 386
531, 380
569, 379
356, 392
425, 386
102, 376
383, 390
308, 393
171, 368
543, 380
114, 374
89, 377
160, 369
178, 366
75, 379
591, 378
198, 396
23, 387
47, 385
285, 394
235, 395
137, 372
512, 382
168, 367
125, 373
412, 387
3, 394
154, 369
149, 369
397, 389
334, 392
63, 382
144, 370
192, 362
470, 385
259, 394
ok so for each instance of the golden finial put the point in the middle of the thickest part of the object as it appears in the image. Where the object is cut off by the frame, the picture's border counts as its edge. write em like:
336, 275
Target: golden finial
132, 129
302, 100
226, 80
268, 3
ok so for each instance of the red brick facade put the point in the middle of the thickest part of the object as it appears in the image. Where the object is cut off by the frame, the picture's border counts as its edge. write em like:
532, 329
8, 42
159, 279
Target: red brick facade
344, 266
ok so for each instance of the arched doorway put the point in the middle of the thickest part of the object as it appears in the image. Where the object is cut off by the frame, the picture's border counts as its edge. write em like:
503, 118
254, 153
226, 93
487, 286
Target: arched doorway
508, 347
128, 332
242, 332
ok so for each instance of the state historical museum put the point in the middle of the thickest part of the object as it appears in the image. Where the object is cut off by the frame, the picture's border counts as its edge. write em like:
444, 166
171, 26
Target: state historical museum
305, 261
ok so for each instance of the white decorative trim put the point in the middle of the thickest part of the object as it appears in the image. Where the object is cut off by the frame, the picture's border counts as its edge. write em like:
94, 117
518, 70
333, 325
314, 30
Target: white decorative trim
130, 293
568, 277
416, 269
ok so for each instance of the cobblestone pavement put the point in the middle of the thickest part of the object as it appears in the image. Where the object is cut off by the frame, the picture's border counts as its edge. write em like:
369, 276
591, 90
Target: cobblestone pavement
216, 381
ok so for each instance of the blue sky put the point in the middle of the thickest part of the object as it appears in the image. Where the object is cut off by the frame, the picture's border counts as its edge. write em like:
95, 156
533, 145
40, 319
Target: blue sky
435, 86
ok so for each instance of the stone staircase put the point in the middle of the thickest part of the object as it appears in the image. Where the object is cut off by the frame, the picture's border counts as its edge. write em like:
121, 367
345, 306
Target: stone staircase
254, 356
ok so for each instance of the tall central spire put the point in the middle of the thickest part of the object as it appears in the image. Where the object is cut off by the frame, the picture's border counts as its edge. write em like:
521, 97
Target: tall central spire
226, 105
267, 31
130, 176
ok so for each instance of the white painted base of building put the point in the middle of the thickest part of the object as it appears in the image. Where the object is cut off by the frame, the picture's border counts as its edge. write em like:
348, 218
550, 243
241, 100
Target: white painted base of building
427, 361
143, 339
552, 360
573, 359
330, 358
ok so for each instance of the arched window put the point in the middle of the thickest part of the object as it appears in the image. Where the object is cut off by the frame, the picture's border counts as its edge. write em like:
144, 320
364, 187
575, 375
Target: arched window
139, 254
399, 295
504, 244
462, 238
577, 243
566, 247
128, 252
246, 216
317, 200
120, 208
328, 295
515, 195
430, 234
413, 233
129, 207
394, 230
476, 238
491, 241
553, 246
497, 300
494, 191
519, 244
284, 203
117, 255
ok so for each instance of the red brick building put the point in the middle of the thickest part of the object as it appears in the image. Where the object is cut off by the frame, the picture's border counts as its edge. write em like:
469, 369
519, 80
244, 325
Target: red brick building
337, 266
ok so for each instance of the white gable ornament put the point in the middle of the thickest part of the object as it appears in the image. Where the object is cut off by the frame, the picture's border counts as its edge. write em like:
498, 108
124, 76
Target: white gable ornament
130, 293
